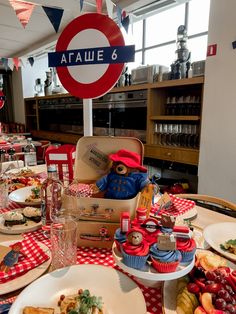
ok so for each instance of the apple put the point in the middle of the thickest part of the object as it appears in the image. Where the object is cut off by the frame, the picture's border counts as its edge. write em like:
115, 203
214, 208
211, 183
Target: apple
200, 310
206, 301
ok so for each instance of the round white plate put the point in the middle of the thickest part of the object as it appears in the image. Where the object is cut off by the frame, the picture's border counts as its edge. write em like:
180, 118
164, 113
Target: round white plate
150, 273
30, 225
119, 293
169, 294
28, 277
20, 195
217, 234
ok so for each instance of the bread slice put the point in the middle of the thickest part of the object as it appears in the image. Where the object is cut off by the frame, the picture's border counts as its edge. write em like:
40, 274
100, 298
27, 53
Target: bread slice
38, 310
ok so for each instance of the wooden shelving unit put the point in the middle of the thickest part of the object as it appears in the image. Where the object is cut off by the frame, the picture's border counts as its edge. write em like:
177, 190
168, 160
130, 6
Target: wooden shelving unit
158, 94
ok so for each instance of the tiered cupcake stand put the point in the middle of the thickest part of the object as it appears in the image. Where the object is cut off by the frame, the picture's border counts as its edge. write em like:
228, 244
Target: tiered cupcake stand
149, 276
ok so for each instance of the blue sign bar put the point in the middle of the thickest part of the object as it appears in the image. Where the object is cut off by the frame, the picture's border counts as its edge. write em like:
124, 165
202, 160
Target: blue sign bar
101, 55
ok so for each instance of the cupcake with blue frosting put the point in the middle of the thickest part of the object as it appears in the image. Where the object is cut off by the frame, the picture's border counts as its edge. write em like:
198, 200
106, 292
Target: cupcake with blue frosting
164, 256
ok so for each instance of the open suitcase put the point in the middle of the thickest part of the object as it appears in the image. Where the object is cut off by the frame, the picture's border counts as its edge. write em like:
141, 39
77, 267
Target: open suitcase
91, 163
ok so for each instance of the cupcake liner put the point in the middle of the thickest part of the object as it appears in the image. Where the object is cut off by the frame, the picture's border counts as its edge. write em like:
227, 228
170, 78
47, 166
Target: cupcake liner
187, 257
163, 267
134, 261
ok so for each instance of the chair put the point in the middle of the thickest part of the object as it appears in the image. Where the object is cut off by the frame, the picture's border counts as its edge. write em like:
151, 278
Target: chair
213, 203
41, 150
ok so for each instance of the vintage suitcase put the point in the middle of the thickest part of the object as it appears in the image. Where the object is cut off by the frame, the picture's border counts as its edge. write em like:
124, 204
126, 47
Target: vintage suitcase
91, 163
96, 234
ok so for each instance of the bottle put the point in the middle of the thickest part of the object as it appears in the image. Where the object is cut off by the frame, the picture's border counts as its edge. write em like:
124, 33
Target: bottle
30, 153
51, 197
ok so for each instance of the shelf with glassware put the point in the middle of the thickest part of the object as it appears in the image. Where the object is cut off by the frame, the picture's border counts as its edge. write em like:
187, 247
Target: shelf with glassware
174, 120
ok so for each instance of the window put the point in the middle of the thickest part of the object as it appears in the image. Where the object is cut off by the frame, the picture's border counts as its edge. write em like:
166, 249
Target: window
157, 45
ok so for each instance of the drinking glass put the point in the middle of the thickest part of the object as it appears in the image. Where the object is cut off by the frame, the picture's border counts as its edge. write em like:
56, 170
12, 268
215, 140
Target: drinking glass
63, 242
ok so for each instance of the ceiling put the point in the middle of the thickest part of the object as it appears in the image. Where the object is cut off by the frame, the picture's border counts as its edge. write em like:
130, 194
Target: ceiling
17, 41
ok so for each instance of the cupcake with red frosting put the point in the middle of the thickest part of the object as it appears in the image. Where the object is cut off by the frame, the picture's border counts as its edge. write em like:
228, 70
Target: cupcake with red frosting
187, 248
135, 250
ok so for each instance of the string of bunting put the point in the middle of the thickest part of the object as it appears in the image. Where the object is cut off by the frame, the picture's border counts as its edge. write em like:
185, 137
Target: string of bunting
24, 10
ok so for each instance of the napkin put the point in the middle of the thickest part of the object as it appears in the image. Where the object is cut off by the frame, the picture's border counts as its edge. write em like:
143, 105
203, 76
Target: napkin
31, 256
178, 207
79, 190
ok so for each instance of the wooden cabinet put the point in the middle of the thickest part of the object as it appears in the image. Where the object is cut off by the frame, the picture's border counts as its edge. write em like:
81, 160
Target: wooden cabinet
173, 118
31, 114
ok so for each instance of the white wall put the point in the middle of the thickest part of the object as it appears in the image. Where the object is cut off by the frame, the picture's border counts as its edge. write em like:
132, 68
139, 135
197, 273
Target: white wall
217, 166
30, 74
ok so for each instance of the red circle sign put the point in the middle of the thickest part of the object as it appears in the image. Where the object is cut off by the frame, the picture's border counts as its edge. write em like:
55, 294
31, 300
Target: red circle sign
96, 80
2, 99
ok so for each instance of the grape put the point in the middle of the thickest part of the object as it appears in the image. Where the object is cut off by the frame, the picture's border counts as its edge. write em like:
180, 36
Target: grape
229, 289
210, 275
230, 308
218, 279
209, 282
223, 294
220, 304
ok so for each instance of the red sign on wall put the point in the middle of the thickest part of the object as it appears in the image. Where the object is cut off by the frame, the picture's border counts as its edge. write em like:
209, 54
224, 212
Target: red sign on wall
211, 50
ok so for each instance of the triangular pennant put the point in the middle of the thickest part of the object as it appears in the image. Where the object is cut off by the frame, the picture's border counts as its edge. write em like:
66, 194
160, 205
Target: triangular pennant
99, 6
5, 63
23, 61
118, 11
11, 64
23, 10
54, 15
109, 5
31, 61
16, 61
81, 4
125, 23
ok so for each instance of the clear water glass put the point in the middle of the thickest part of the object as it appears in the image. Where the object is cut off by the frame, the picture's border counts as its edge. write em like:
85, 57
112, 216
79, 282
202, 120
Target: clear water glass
63, 236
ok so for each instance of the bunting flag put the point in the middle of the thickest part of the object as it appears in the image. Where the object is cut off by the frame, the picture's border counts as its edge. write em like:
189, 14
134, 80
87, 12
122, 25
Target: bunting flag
11, 64
125, 23
118, 12
109, 5
5, 63
23, 10
16, 61
54, 15
99, 6
31, 61
81, 5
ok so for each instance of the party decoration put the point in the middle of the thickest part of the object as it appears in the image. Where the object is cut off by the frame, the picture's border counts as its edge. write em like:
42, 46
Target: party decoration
23, 10
99, 6
16, 62
31, 61
54, 15
2, 99
125, 23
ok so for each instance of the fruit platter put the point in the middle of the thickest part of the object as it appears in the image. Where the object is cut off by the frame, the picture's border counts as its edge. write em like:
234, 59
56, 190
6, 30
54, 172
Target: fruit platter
209, 288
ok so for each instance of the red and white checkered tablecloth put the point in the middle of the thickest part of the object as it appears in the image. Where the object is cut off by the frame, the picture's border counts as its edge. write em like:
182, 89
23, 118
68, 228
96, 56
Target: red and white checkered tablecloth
178, 207
31, 256
102, 256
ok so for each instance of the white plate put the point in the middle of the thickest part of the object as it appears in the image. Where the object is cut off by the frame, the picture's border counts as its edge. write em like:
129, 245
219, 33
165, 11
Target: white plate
217, 234
119, 293
169, 294
28, 277
150, 273
30, 225
20, 195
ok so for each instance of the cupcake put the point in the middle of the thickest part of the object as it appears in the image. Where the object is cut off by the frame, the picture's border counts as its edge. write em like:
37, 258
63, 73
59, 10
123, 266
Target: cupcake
187, 248
164, 261
135, 251
119, 237
32, 213
13, 218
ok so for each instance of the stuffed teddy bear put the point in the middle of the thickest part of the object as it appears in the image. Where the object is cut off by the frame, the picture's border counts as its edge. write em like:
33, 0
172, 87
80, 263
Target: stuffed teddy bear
126, 178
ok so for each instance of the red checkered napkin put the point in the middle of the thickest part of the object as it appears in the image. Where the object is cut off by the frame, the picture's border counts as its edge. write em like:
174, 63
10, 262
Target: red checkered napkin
179, 206
31, 256
79, 190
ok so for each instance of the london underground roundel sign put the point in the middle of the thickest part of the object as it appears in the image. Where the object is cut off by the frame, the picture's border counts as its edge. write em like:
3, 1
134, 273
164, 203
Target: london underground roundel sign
90, 55
2, 99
